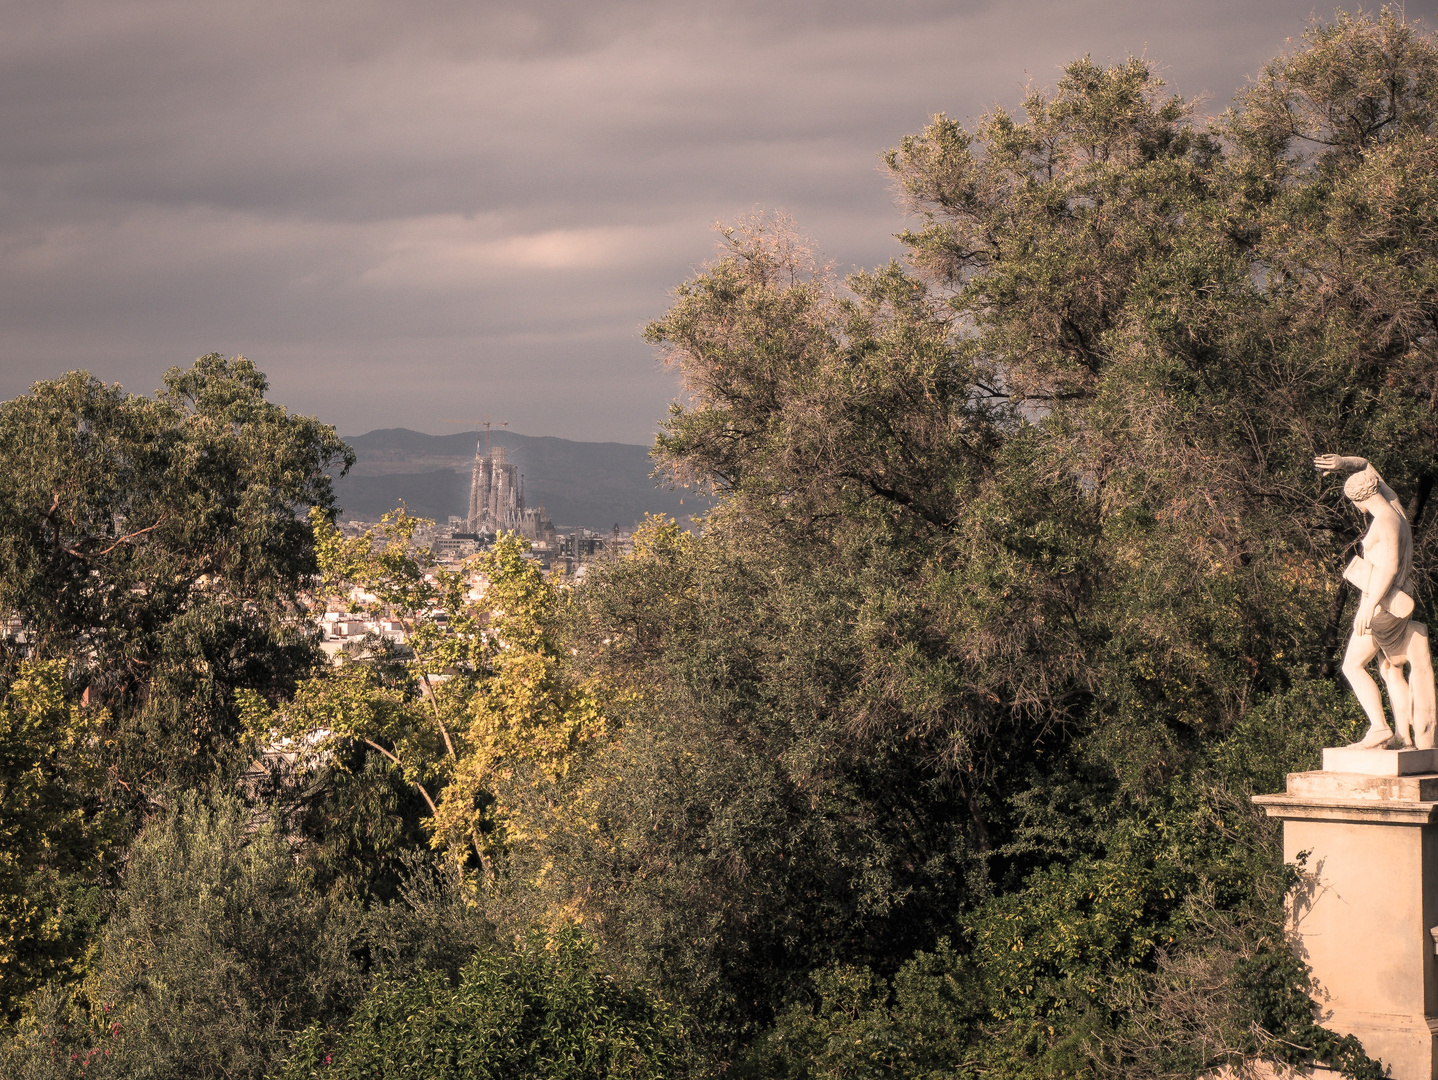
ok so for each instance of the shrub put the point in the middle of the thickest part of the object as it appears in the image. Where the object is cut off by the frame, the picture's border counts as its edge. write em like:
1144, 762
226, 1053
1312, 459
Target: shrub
545, 1010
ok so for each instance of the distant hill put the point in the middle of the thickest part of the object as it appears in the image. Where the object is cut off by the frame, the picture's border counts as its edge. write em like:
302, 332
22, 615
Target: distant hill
580, 484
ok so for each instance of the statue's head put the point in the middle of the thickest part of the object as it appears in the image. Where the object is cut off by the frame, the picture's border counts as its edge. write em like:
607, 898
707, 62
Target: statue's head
1362, 485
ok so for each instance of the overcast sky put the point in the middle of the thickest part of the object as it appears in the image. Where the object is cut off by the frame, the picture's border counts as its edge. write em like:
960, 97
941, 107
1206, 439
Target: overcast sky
420, 214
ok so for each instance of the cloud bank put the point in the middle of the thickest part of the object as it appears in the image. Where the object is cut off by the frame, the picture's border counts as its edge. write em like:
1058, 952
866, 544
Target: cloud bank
442, 210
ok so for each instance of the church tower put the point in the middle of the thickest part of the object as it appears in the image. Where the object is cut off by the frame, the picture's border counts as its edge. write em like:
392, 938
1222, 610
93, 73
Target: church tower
496, 498
495, 502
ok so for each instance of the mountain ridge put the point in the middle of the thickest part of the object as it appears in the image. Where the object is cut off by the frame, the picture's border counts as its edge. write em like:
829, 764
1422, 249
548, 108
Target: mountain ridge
593, 485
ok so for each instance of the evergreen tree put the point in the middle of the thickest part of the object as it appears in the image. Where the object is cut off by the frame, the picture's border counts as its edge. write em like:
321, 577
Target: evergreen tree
158, 546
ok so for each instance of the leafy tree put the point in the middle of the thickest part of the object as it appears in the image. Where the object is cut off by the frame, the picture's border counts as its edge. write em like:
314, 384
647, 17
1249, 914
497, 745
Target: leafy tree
1333, 153
474, 700
529, 720
153, 544
735, 835
56, 833
218, 947
1030, 529
357, 818
216, 951
392, 695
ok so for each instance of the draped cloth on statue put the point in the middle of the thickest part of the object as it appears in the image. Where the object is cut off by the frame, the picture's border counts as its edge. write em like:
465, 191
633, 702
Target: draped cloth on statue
1390, 633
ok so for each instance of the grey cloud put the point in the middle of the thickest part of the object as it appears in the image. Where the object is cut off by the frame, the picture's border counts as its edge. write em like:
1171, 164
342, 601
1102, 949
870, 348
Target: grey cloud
394, 209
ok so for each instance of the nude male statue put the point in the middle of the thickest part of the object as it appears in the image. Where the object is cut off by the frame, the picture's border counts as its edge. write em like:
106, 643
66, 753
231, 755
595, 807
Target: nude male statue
1383, 626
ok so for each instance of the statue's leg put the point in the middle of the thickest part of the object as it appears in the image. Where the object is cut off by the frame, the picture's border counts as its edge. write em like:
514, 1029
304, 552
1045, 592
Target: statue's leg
1361, 651
1399, 698
1420, 682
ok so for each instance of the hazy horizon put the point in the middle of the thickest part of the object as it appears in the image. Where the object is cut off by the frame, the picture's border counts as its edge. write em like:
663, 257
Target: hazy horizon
479, 432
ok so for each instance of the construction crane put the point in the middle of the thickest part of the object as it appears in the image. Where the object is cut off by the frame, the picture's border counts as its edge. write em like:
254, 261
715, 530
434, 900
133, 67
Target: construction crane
502, 423
487, 422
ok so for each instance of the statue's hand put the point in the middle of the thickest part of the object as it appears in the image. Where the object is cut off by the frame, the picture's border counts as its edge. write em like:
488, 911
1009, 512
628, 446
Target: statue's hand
1326, 463
1363, 624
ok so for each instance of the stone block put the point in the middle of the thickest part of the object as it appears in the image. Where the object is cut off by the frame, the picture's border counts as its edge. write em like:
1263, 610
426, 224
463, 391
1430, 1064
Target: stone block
1410, 762
1362, 919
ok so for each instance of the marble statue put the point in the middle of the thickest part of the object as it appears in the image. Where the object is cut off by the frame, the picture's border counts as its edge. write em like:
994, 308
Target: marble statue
1383, 626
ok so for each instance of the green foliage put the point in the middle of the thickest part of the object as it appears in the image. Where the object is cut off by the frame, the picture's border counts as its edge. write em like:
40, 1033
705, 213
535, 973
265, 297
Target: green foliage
358, 817
1357, 83
931, 1021
218, 947
924, 1024
474, 702
545, 1011
57, 1041
530, 719
1286, 732
436, 922
1043, 226
398, 697
152, 542
55, 832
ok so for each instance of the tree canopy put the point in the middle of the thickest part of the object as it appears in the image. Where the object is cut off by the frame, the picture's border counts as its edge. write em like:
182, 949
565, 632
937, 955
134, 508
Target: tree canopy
158, 545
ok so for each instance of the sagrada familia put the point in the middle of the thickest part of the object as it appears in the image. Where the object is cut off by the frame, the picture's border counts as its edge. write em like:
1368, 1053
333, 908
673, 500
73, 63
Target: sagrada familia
496, 498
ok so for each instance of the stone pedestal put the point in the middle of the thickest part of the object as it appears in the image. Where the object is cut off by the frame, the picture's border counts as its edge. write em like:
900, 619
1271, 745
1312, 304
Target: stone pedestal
1363, 922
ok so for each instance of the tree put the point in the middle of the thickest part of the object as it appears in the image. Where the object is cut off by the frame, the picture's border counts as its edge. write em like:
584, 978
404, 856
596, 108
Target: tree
399, 696
1333, 146
1032, 525
474, 700
57, 834
735, 832
530, 719
153, 544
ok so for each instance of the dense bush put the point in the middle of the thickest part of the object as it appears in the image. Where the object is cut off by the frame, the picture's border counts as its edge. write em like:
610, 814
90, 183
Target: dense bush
217, 948
545, 1011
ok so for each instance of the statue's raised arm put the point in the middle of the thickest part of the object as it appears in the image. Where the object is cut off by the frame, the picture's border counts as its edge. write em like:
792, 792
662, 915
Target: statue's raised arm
1328, 463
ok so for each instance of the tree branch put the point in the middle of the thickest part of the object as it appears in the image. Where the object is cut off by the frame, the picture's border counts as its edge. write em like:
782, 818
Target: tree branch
122, 540
376, 746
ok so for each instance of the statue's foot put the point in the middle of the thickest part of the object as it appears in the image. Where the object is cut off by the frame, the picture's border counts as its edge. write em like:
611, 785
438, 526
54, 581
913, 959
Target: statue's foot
1376, 739
1400, 742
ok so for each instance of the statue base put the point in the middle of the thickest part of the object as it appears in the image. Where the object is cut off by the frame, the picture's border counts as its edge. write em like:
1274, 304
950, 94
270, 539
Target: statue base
1410, 762
1366, 829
